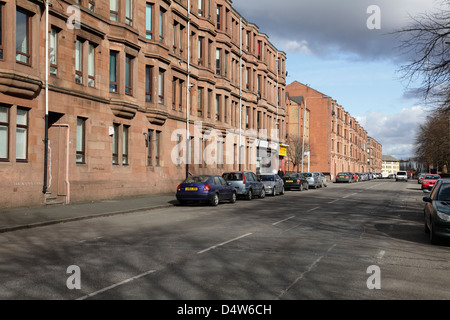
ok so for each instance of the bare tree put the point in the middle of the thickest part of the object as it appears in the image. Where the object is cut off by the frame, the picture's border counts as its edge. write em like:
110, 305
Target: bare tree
432, 140
295, 151
427, 43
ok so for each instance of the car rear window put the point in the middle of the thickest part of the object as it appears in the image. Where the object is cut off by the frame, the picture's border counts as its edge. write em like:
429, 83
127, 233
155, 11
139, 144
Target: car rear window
431, 177
307, 175
267, 178
196, 179
401, 173
232, 176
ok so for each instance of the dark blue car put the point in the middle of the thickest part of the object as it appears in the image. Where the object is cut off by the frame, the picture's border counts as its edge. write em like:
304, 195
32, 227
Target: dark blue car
210, 188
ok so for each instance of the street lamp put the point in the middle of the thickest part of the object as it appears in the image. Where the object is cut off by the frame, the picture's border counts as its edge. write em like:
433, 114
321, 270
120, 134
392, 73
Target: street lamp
304, 125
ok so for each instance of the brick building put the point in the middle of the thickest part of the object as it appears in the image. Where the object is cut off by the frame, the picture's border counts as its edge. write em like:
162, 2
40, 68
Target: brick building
337, 142
125, 79
375, 155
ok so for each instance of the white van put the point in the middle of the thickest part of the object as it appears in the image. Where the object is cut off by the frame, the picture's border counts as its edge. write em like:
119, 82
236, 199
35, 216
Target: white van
401, 176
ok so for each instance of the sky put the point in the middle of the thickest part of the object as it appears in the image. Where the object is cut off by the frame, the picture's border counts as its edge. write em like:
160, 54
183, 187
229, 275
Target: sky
346, 49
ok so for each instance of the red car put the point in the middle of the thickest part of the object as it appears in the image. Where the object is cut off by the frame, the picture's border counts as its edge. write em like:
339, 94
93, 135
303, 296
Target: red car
429, 180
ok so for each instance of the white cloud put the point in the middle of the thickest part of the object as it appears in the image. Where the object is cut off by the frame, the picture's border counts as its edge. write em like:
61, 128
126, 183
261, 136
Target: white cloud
296, 47
396, 132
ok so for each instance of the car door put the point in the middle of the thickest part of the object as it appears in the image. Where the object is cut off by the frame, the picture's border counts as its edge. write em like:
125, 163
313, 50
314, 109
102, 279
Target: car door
278, 183
226, 189
259, 185
429, 210
219, 188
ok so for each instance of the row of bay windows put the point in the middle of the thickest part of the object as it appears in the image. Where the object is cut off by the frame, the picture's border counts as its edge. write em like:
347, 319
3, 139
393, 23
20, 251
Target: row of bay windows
84, 49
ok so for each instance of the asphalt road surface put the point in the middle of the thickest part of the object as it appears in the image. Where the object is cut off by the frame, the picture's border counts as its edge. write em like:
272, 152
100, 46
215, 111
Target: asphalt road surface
347, 241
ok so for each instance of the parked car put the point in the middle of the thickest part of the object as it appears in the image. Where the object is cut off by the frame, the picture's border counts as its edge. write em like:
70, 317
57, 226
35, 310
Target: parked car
420, 177
210, 188
401, 176
246, 184
429, 180
273, 183
345, 177
313, 179
295, 181
322, 179
437, 211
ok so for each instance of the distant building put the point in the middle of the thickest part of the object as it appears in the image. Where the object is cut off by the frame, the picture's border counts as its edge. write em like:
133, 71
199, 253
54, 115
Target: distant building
390, 164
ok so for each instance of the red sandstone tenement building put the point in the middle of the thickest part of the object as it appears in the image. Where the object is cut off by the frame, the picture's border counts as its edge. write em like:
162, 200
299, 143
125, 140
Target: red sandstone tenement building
122, 74
337, 142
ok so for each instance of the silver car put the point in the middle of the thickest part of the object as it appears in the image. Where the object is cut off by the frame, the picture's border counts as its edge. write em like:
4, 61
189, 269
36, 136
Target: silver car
272, 183
246, 184
322, 178
313, 179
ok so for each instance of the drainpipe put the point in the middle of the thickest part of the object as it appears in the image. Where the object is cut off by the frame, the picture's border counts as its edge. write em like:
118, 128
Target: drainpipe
188, 86
240, 91
44, 189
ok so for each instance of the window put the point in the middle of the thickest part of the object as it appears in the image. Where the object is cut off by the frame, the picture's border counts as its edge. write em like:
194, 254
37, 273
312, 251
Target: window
129, 12
115, 144
91, 5
1, 31
217, 107
200, 102
114, 10
78, 62
157, 148
219, 20
162, 14
128, 75
148, 83
218, 52
125, 132
22, 135
4, 132
161, 86
113, 71
201, 41
201, 9
149, 20
23, 35
53, 52
149, 147
91, 65
81, 134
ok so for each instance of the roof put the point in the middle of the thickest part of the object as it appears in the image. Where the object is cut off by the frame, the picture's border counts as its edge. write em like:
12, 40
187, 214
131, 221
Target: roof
389, 158
297, 99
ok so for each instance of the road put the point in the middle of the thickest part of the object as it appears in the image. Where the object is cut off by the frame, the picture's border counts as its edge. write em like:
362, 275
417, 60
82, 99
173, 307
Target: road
347, 241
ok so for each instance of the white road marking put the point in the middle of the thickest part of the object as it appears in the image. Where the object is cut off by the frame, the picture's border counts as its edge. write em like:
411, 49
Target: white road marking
334, 201
380, 254
349, 195
313, 209
116, 285
274, 224
304, 272
223, 243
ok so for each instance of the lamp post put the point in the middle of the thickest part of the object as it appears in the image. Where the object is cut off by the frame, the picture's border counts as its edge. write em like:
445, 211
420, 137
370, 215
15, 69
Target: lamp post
304, 127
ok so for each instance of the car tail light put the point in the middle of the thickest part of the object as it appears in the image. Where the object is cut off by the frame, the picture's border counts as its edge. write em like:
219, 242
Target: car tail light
178, 188
243, 178
207, 188
298, 180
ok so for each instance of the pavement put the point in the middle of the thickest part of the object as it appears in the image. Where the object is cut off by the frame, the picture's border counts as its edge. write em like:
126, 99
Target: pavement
31, 217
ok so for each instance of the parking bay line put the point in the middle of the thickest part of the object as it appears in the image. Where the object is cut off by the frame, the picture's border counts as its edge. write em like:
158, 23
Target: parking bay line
223, 243
116, 285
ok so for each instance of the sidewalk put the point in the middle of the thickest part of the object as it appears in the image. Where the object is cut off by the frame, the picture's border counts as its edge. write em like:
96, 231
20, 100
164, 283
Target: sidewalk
23, 218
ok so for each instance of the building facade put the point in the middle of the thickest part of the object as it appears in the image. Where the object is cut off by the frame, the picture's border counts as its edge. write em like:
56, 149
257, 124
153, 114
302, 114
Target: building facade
140, 94
390, 164
374, 155
337, 142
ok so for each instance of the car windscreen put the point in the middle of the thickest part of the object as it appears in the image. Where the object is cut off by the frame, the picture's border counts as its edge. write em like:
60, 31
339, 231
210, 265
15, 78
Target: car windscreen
431, 177
444, 192
196, 179
232, 176
267, 178
401, 173
306, 175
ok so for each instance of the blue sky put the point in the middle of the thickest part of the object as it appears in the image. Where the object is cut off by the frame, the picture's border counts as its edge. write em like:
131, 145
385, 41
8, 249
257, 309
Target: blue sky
330, 47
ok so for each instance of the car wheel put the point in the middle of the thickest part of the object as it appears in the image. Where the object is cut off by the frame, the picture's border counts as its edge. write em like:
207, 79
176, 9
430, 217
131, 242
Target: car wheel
433, 237
301, 187
274, 192
282, 190
233, 197
307, 187
426, 229
249, 195
215, 200
262, 194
